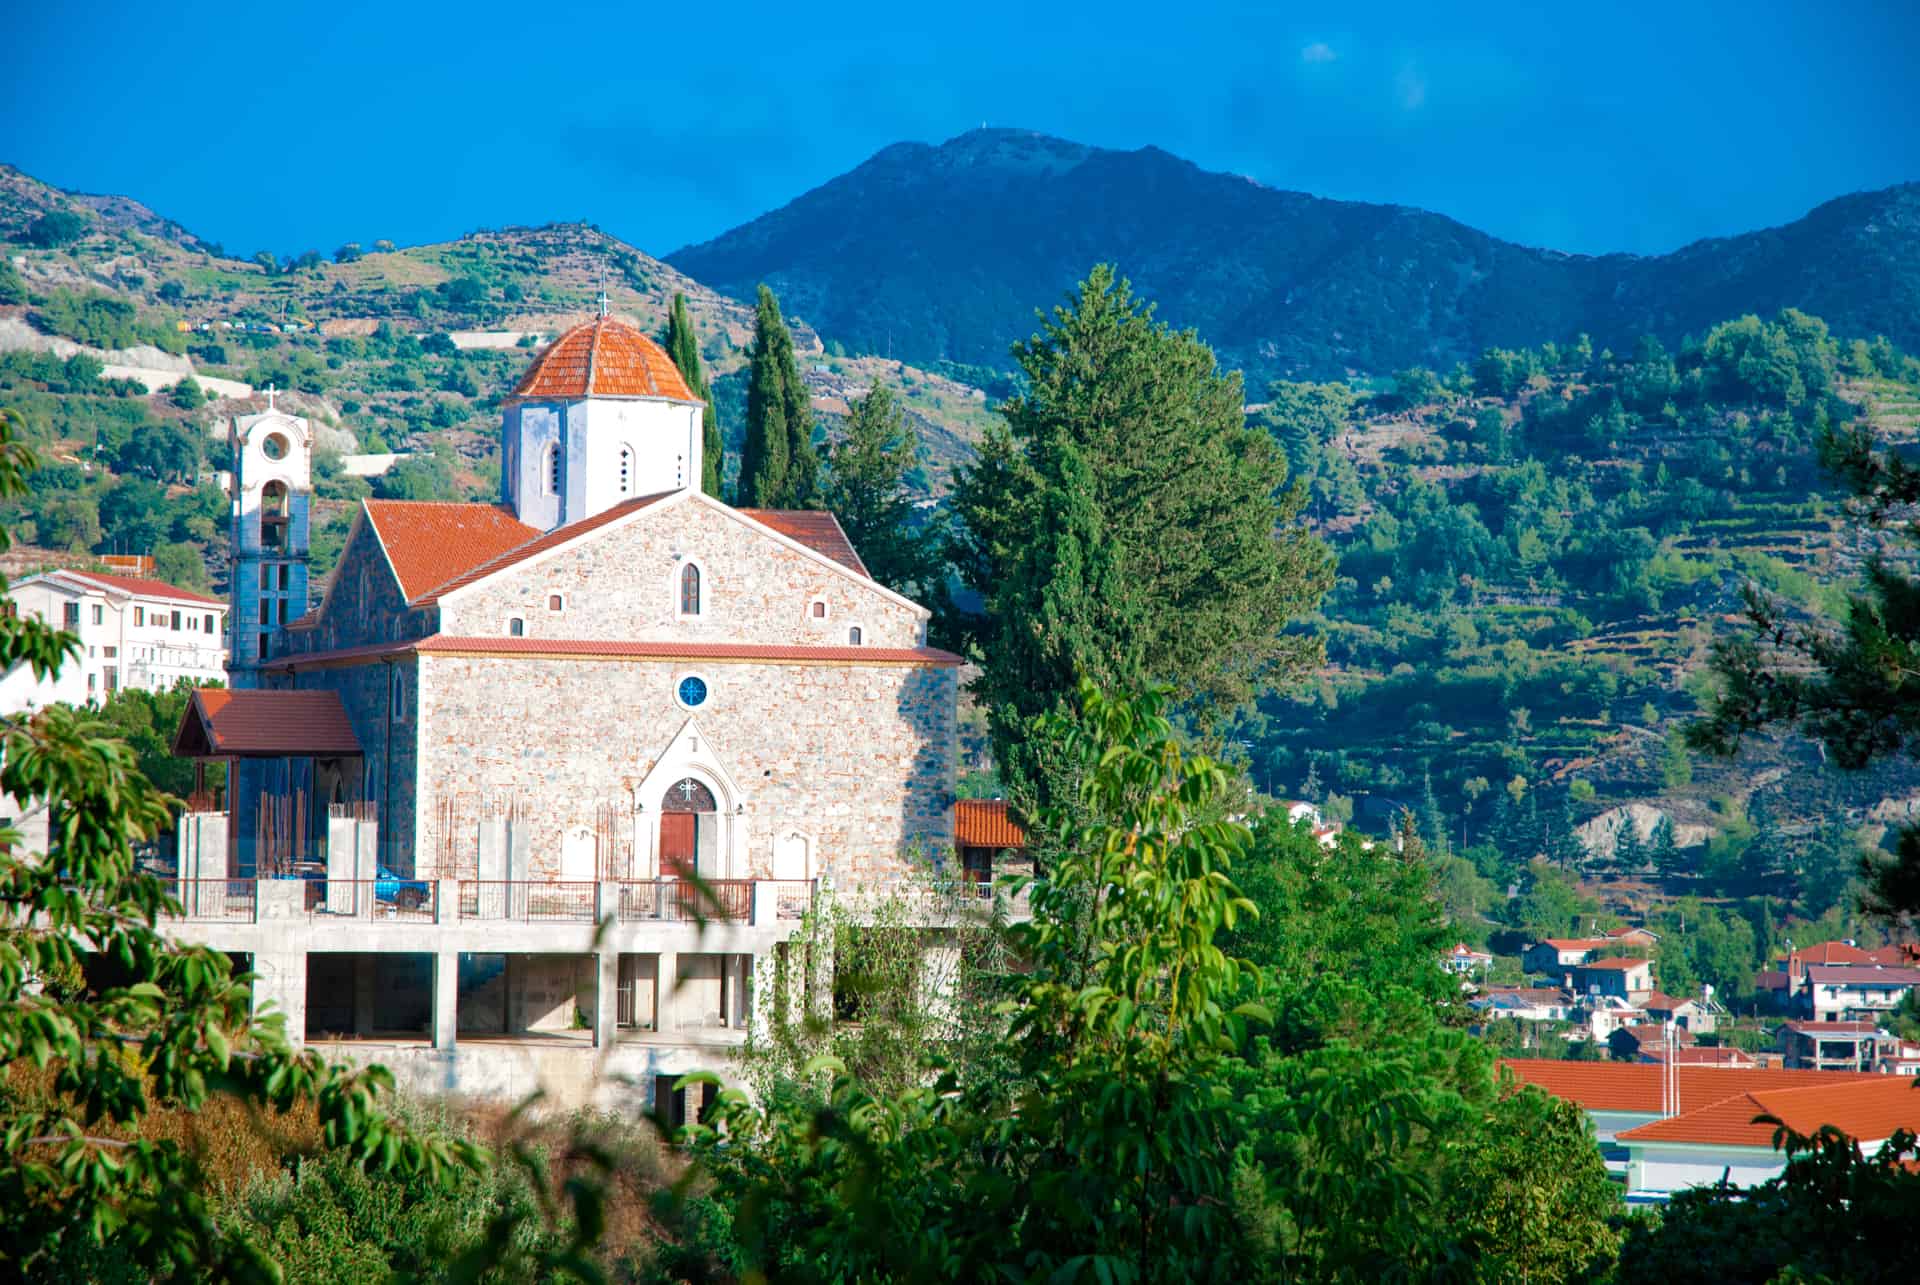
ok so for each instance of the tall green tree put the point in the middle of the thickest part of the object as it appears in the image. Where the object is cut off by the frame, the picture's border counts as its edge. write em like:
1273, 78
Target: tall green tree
867, 490
683, 345
778, 466
1180, 558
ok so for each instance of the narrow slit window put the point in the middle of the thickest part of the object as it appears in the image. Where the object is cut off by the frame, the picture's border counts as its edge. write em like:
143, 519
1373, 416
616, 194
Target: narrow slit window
516, 628
854, 637
690, 590
626, 470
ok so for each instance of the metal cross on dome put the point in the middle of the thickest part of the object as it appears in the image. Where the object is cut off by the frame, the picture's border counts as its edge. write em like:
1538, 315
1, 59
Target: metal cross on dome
603, 302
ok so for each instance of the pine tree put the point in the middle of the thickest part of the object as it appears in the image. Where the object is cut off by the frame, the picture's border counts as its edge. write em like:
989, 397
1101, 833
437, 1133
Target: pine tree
1563, 846
1191, 508
1760, 859
1629, 854
683, 345
867, 490
1665, 848
778, 466
1310, 789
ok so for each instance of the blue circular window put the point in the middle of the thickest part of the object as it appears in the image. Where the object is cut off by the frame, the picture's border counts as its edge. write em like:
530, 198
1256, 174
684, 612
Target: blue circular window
693, 691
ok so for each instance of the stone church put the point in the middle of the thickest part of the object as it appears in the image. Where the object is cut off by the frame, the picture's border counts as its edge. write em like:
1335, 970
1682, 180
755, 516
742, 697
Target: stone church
626, 677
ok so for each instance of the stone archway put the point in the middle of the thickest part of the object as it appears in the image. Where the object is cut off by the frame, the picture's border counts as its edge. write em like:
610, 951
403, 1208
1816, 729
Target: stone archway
689, 831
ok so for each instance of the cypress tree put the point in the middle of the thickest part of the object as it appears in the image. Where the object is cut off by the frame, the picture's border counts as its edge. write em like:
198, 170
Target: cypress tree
684, 347
1628, 852
778, 466
1665, 848
1131, 430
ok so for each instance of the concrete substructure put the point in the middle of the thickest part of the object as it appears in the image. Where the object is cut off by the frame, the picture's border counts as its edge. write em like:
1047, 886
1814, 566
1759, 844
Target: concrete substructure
555, 1023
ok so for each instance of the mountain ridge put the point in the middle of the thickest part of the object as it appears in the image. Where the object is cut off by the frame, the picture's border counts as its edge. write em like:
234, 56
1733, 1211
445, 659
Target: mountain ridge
943, 251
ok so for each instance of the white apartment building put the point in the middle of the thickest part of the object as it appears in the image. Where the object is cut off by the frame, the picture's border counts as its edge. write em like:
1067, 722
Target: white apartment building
134, 632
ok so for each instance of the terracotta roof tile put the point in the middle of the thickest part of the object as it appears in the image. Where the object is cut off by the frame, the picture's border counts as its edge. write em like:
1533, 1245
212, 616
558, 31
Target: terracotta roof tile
1833, 1028
1862, 975
1611, 965
221, 723
430, 543
984, 823
603, 358
142, 587
817, 529
1635, 1086
1868, 1109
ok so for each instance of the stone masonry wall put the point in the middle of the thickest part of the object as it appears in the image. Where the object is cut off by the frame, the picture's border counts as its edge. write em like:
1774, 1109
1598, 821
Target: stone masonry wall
859, 758
365, 605
623, 584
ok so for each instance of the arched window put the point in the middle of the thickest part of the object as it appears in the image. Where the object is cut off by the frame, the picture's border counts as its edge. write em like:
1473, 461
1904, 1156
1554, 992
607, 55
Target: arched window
855, 637
626, 470
517, 627
553, 470
690, 590
273, 499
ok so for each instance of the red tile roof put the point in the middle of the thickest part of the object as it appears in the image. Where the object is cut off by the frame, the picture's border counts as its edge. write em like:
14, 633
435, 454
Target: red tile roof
1635, 1086
1831, 952
141, 586
1868, 1109
1658, 1001
1862, 975
590, 649
817, 529
1692, 1055
1611, 965
984, 823
221, 723
429, 543
1577, 943
603, 358
533, 543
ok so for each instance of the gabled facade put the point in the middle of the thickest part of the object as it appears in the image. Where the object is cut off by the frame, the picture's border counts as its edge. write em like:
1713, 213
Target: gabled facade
134, 631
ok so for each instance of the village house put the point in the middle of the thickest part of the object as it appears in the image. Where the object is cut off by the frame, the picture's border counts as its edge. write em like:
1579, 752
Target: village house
539, 790
1851, 992
1627, 979
1699, 1016
134, 631
1694, 1131
1464, 961
1554, 955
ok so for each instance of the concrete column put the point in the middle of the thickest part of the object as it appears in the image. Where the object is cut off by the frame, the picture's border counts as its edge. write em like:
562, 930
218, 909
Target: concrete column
363, 979
666, 983
606, 1007
766, 902
492, 861
446, 901
446, 998
607, 911
740, 984
280, 987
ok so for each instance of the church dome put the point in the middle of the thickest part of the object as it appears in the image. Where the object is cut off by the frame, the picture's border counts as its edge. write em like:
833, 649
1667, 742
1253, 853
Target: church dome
603, 358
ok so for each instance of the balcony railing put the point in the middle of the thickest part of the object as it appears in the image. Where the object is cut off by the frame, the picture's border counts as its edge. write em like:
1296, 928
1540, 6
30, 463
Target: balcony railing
538, 903
382, 900
216, 899
682, 900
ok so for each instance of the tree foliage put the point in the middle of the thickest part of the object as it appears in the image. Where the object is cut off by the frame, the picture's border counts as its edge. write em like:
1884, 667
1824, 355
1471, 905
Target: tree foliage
683, 345
1125, 525
778, 466
867, 490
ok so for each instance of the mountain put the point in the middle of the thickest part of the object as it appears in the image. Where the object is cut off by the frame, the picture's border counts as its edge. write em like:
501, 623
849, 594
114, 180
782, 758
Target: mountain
928, 253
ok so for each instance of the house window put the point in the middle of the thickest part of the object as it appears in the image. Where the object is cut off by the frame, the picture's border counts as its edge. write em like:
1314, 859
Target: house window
72, 615
193, 626
264, 640
176, 622
555, 602
817, 609
690, 590
111, 653
210, 626
516, 627
266, 577
855, 637
113, 679
286, 576
139, 615
553, 470
399, 697
99, 614
626, 470
91, 677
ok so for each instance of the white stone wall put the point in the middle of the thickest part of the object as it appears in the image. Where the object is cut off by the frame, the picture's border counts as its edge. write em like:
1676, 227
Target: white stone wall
621, 583
855, 760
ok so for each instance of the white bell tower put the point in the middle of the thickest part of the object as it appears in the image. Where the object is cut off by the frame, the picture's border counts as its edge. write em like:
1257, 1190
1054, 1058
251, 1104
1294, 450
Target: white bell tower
272, 489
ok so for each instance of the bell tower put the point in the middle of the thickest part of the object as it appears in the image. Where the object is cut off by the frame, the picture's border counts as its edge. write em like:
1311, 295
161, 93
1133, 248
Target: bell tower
272, 489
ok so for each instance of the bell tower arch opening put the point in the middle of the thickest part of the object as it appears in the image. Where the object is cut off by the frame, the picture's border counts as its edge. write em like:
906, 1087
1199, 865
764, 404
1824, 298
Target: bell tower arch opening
272, 491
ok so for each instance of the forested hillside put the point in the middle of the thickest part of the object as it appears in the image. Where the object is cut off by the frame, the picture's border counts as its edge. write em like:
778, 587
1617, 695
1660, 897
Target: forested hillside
943, 252
1535, 553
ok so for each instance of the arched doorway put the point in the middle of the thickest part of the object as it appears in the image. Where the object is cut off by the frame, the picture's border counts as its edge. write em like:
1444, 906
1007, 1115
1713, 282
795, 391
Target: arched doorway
689, 831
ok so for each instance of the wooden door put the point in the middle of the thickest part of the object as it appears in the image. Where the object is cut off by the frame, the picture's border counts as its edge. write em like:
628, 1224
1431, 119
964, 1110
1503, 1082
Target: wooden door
678, 844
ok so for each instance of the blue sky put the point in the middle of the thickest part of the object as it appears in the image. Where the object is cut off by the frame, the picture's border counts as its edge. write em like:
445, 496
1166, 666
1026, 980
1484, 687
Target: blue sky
1582, 127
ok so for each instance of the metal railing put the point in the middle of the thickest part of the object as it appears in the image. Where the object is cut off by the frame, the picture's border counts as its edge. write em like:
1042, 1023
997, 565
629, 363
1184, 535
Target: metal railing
387, 900
542, 902
792, 898
216, 899
683, 900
